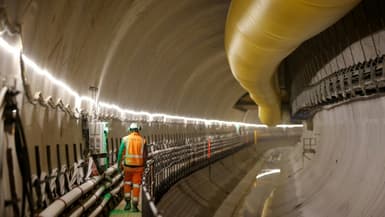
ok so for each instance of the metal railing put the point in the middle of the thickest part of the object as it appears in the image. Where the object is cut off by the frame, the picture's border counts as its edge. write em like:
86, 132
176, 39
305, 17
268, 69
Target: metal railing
169, 161
176, 161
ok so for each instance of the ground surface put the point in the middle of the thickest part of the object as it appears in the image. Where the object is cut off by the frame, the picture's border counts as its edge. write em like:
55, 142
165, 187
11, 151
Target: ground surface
120, 212
202, 193
219, 190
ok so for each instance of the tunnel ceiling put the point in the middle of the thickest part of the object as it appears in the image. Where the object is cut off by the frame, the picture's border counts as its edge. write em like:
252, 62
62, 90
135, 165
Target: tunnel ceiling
158, 56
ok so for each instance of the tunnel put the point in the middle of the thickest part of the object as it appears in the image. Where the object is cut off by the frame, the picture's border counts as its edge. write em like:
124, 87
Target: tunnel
240, 108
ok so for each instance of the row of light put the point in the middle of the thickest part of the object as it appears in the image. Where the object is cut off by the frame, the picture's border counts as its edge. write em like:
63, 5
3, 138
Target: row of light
79, 99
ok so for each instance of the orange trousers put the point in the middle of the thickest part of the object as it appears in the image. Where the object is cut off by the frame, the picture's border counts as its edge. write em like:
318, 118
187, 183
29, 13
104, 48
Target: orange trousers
132, 181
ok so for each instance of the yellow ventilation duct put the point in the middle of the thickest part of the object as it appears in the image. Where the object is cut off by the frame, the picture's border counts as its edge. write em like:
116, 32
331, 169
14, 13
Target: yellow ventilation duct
261, 33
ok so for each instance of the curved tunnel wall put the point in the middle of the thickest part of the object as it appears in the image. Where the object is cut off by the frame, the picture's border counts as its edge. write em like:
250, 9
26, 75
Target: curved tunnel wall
77, 56
356, 38
346, 176
156, 56
203, 192
104, 45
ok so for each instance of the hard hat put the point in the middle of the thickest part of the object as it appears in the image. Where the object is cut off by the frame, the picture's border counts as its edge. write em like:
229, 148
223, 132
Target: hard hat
134, 126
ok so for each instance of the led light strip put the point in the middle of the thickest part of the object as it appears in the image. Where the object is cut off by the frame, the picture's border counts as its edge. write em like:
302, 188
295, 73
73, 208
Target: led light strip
289, 125
269, 172
79, 99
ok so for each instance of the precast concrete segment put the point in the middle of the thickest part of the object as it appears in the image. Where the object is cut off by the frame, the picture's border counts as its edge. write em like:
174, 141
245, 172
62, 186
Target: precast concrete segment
261, 33
254, 194
155, 56
103, 106
344, 177
201, 193
264, 190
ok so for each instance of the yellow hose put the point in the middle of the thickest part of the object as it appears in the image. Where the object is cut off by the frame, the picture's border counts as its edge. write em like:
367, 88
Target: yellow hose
261, 33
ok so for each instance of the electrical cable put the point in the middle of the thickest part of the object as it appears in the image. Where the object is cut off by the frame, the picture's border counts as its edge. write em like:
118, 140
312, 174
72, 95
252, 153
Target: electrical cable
13, 125
3, 149
22, 158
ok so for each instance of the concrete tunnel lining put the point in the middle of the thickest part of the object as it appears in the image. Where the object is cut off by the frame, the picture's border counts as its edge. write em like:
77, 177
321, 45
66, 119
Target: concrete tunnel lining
92, 46
214, 191
347, 168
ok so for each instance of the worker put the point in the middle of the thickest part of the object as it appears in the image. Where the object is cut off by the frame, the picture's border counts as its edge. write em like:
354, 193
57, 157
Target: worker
135, 153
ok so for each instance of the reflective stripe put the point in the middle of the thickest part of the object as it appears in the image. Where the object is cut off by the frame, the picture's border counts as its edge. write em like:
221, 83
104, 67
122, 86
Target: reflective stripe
127, 146
136, 186
134, 156
143, 142
135, 199
128, 183
127, 195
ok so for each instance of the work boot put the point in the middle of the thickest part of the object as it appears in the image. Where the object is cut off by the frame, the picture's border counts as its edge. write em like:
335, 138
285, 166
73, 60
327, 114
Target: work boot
134, 207
128, 205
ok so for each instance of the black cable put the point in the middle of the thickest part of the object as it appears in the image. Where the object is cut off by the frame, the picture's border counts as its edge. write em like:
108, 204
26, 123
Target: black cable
23, 159
12, 182
12, 121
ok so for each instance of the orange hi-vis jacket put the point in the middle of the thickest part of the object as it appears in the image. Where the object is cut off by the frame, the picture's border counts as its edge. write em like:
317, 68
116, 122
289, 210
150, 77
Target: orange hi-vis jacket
134, 150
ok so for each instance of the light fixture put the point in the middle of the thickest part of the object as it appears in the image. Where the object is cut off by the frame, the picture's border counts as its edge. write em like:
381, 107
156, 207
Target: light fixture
268, 172
79, 99
289, 125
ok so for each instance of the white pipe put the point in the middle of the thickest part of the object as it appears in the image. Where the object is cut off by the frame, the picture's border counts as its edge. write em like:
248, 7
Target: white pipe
96, 212
95, 196
117, 189
59, 205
